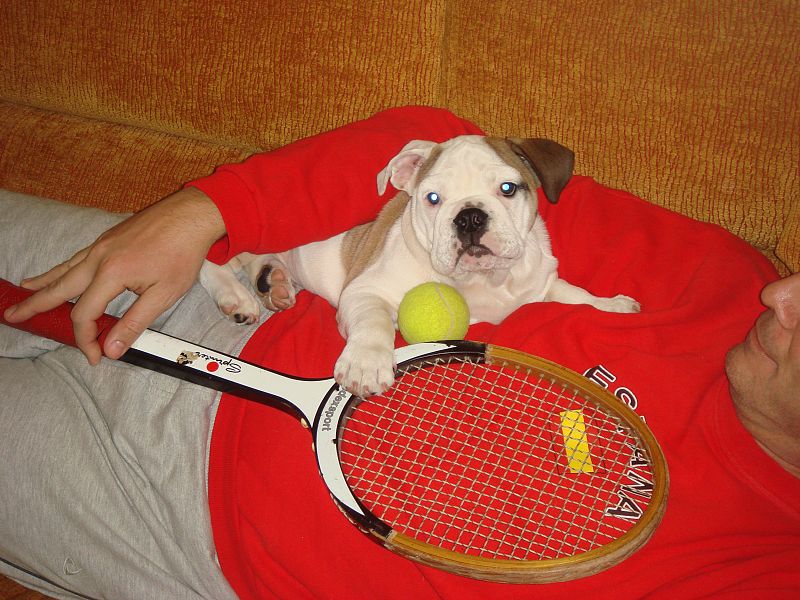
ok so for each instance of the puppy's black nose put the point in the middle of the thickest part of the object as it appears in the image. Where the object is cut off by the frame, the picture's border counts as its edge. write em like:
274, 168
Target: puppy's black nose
470, 220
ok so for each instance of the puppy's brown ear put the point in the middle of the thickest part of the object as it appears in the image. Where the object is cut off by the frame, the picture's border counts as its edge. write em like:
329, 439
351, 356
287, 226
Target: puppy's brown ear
551, 162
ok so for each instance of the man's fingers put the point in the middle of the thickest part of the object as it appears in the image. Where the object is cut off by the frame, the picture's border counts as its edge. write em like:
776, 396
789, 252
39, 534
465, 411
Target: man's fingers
86, 340
55, 293
135, 320
90, 306
58, 285
131, 255
50, 277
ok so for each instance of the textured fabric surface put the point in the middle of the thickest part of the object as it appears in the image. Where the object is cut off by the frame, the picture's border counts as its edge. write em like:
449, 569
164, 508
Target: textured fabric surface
691, 105
97, 163
245, 72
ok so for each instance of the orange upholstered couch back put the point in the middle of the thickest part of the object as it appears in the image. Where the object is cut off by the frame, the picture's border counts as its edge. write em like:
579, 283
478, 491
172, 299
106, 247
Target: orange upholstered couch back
690, 105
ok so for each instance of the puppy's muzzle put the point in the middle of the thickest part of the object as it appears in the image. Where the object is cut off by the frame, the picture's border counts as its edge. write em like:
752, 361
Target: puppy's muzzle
470, 224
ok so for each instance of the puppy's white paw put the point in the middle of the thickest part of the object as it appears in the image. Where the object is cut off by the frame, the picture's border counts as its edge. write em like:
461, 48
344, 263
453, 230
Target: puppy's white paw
276, 288
365, 370
618, 304
238, 305
232, 298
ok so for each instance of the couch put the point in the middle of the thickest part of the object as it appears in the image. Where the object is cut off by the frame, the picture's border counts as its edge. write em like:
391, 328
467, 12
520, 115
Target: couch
691, 105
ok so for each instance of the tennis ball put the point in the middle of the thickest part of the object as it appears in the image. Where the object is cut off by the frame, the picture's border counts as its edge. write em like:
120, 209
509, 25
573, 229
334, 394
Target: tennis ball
432, 311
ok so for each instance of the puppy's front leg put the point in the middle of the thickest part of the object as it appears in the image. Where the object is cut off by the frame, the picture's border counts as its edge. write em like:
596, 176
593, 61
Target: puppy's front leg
566, 293
366, 365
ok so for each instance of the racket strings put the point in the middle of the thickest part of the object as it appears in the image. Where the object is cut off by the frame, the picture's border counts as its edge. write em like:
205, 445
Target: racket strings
467, 490
471, 457
515, 476
470, 537
561, 540
545, 482
442, 416
424, 432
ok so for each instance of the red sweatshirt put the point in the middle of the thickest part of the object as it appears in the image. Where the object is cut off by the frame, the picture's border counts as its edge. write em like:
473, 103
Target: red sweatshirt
732, 527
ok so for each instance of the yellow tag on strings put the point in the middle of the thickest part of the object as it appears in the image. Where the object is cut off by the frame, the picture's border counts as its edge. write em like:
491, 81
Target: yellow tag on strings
576, 445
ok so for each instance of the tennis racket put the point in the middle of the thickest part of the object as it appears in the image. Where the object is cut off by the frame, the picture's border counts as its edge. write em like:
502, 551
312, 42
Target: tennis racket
480, 460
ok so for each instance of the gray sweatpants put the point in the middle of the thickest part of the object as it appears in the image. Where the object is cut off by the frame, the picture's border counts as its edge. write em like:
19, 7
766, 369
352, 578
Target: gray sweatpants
102, 469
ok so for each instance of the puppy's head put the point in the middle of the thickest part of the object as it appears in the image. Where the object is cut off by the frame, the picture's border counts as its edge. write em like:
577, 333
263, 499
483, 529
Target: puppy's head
473, 198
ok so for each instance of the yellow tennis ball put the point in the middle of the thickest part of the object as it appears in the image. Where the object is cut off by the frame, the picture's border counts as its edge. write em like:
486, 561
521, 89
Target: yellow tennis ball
432, 311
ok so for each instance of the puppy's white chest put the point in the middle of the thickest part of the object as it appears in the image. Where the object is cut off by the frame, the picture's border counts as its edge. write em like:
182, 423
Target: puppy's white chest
488, 303
494, 295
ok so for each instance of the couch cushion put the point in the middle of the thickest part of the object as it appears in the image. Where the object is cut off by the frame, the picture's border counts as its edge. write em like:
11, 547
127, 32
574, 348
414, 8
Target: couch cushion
96, 163
248, 72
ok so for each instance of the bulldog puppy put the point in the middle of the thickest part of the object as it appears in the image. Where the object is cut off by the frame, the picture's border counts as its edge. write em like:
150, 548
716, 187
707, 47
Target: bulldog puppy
466, 214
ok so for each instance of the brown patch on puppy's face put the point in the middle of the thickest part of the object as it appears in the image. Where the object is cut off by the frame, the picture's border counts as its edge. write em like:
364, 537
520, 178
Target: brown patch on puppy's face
541, 161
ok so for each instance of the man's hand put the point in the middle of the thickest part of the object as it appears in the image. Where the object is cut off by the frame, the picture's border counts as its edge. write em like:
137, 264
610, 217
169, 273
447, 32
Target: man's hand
157, 253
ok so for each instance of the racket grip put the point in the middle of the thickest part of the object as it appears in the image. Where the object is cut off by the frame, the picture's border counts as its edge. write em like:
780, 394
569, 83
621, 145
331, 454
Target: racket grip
54, 324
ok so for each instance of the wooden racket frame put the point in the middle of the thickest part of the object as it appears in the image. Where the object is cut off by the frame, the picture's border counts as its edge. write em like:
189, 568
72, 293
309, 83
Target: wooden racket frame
564, 568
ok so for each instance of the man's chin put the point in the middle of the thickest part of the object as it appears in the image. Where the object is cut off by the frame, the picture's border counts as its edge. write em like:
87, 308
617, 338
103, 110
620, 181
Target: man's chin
740, 378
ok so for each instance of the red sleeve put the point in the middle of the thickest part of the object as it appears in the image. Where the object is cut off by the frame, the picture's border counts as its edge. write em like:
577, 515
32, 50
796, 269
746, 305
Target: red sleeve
319, 186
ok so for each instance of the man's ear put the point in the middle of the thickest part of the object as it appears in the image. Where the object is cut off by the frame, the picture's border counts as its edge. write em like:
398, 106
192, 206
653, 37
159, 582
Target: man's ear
551, 162
401, 169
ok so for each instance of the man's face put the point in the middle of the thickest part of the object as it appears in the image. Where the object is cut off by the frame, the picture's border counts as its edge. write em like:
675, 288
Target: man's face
764, 370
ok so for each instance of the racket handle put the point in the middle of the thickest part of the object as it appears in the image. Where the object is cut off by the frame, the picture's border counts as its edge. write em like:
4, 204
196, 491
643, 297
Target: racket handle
55, 324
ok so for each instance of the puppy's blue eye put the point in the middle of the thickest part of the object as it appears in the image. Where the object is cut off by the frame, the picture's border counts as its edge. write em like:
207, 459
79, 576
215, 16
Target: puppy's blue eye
433, 197
508, 188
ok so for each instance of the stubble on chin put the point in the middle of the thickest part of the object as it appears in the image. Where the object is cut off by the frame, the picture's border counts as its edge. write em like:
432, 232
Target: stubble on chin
739, 377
